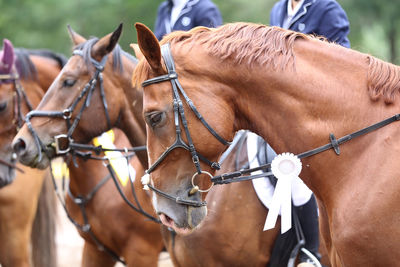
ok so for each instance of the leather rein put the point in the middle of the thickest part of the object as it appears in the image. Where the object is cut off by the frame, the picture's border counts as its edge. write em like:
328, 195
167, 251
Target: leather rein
237, 176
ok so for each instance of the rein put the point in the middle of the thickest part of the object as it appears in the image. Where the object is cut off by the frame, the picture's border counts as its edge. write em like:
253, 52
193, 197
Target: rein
81, 202
334, 144
236, 176
18, 96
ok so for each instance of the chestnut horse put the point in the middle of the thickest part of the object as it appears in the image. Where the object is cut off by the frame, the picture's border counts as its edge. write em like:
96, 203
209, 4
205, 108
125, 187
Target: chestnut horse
116, 231
27, 206
234, 244
293, 90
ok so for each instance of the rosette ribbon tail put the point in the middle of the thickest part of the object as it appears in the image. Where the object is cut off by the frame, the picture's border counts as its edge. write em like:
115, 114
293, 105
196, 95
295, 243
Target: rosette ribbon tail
285, 167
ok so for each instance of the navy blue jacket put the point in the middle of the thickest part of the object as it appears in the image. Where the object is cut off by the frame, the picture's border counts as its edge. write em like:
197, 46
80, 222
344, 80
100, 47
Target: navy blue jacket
195, 13
321, 17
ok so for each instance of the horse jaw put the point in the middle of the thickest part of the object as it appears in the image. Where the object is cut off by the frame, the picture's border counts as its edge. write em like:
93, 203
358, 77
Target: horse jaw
181, 218
7, 173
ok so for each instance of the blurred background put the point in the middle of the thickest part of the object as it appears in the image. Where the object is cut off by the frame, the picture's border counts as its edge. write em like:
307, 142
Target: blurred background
374, 24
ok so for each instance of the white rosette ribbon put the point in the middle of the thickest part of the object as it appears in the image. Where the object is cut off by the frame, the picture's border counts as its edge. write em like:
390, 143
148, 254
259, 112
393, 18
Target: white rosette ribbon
285, 167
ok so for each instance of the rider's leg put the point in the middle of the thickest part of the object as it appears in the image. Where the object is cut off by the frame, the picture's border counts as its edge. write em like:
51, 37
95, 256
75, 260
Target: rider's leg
308, 217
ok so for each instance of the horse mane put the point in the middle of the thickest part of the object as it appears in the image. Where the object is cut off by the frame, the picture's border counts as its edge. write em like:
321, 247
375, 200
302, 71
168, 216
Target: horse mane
383, 80
86, 48
59, 58
250, 43
24, 65
247, 43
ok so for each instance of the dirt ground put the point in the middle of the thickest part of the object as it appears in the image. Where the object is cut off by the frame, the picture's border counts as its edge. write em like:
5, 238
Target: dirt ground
70, 244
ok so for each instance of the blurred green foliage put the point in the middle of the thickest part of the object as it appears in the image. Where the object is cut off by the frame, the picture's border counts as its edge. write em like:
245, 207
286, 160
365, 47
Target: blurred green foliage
374, 24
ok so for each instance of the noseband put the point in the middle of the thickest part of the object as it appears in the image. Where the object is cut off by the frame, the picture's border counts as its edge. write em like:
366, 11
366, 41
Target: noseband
19, 96
66, 114
179, 116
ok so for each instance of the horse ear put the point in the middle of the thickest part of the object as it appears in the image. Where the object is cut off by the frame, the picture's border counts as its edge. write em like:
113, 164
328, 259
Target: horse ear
106, 44
7, 57
149, 46
75, 37
137, 51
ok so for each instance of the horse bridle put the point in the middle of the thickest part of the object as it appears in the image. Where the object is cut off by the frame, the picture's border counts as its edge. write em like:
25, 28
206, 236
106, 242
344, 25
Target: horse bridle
63, 141
18, 97
179, 117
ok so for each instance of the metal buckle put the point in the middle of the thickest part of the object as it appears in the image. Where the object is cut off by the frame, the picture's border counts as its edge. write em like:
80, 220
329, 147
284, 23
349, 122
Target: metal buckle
197, 187
65, 141
67, 114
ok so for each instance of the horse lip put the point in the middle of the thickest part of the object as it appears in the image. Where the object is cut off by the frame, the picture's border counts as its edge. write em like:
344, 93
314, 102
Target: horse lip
170, 223
166, 220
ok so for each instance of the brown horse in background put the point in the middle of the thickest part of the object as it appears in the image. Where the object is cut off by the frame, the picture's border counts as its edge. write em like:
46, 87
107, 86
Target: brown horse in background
125, 233
293, 90
27, 205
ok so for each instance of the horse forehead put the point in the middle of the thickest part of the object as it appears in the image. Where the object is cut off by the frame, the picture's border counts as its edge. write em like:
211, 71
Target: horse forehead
76, 66
157, 94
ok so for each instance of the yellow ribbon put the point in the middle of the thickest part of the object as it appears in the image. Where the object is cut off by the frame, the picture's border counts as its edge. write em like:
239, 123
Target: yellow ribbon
118, 162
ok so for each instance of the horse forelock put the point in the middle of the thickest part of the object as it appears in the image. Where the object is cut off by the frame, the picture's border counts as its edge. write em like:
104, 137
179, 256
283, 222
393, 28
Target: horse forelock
86, 49
383, 80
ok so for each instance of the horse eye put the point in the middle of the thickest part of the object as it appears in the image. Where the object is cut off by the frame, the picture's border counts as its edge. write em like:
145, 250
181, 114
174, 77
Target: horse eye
155, 118
69, 83
3, 106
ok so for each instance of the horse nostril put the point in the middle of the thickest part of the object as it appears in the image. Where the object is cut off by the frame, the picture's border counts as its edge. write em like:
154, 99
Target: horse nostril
19, 146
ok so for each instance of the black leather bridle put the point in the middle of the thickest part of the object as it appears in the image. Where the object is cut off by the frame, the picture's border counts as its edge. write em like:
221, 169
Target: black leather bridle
63, 141
180, 118
19, 96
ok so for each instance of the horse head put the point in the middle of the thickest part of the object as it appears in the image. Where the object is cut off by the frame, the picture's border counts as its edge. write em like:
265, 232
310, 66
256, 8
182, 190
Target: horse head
7, 126
83, 101
179, 179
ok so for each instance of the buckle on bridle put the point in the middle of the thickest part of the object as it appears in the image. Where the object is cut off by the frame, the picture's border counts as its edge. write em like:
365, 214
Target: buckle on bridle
62, 144
196, 187
67, 114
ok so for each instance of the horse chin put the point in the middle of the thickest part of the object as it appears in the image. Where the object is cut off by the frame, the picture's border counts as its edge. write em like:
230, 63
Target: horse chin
34, 163
7, 176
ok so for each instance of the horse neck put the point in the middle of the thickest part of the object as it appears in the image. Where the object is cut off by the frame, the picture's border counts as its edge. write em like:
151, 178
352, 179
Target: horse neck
132, 122
47, 70
296, 109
